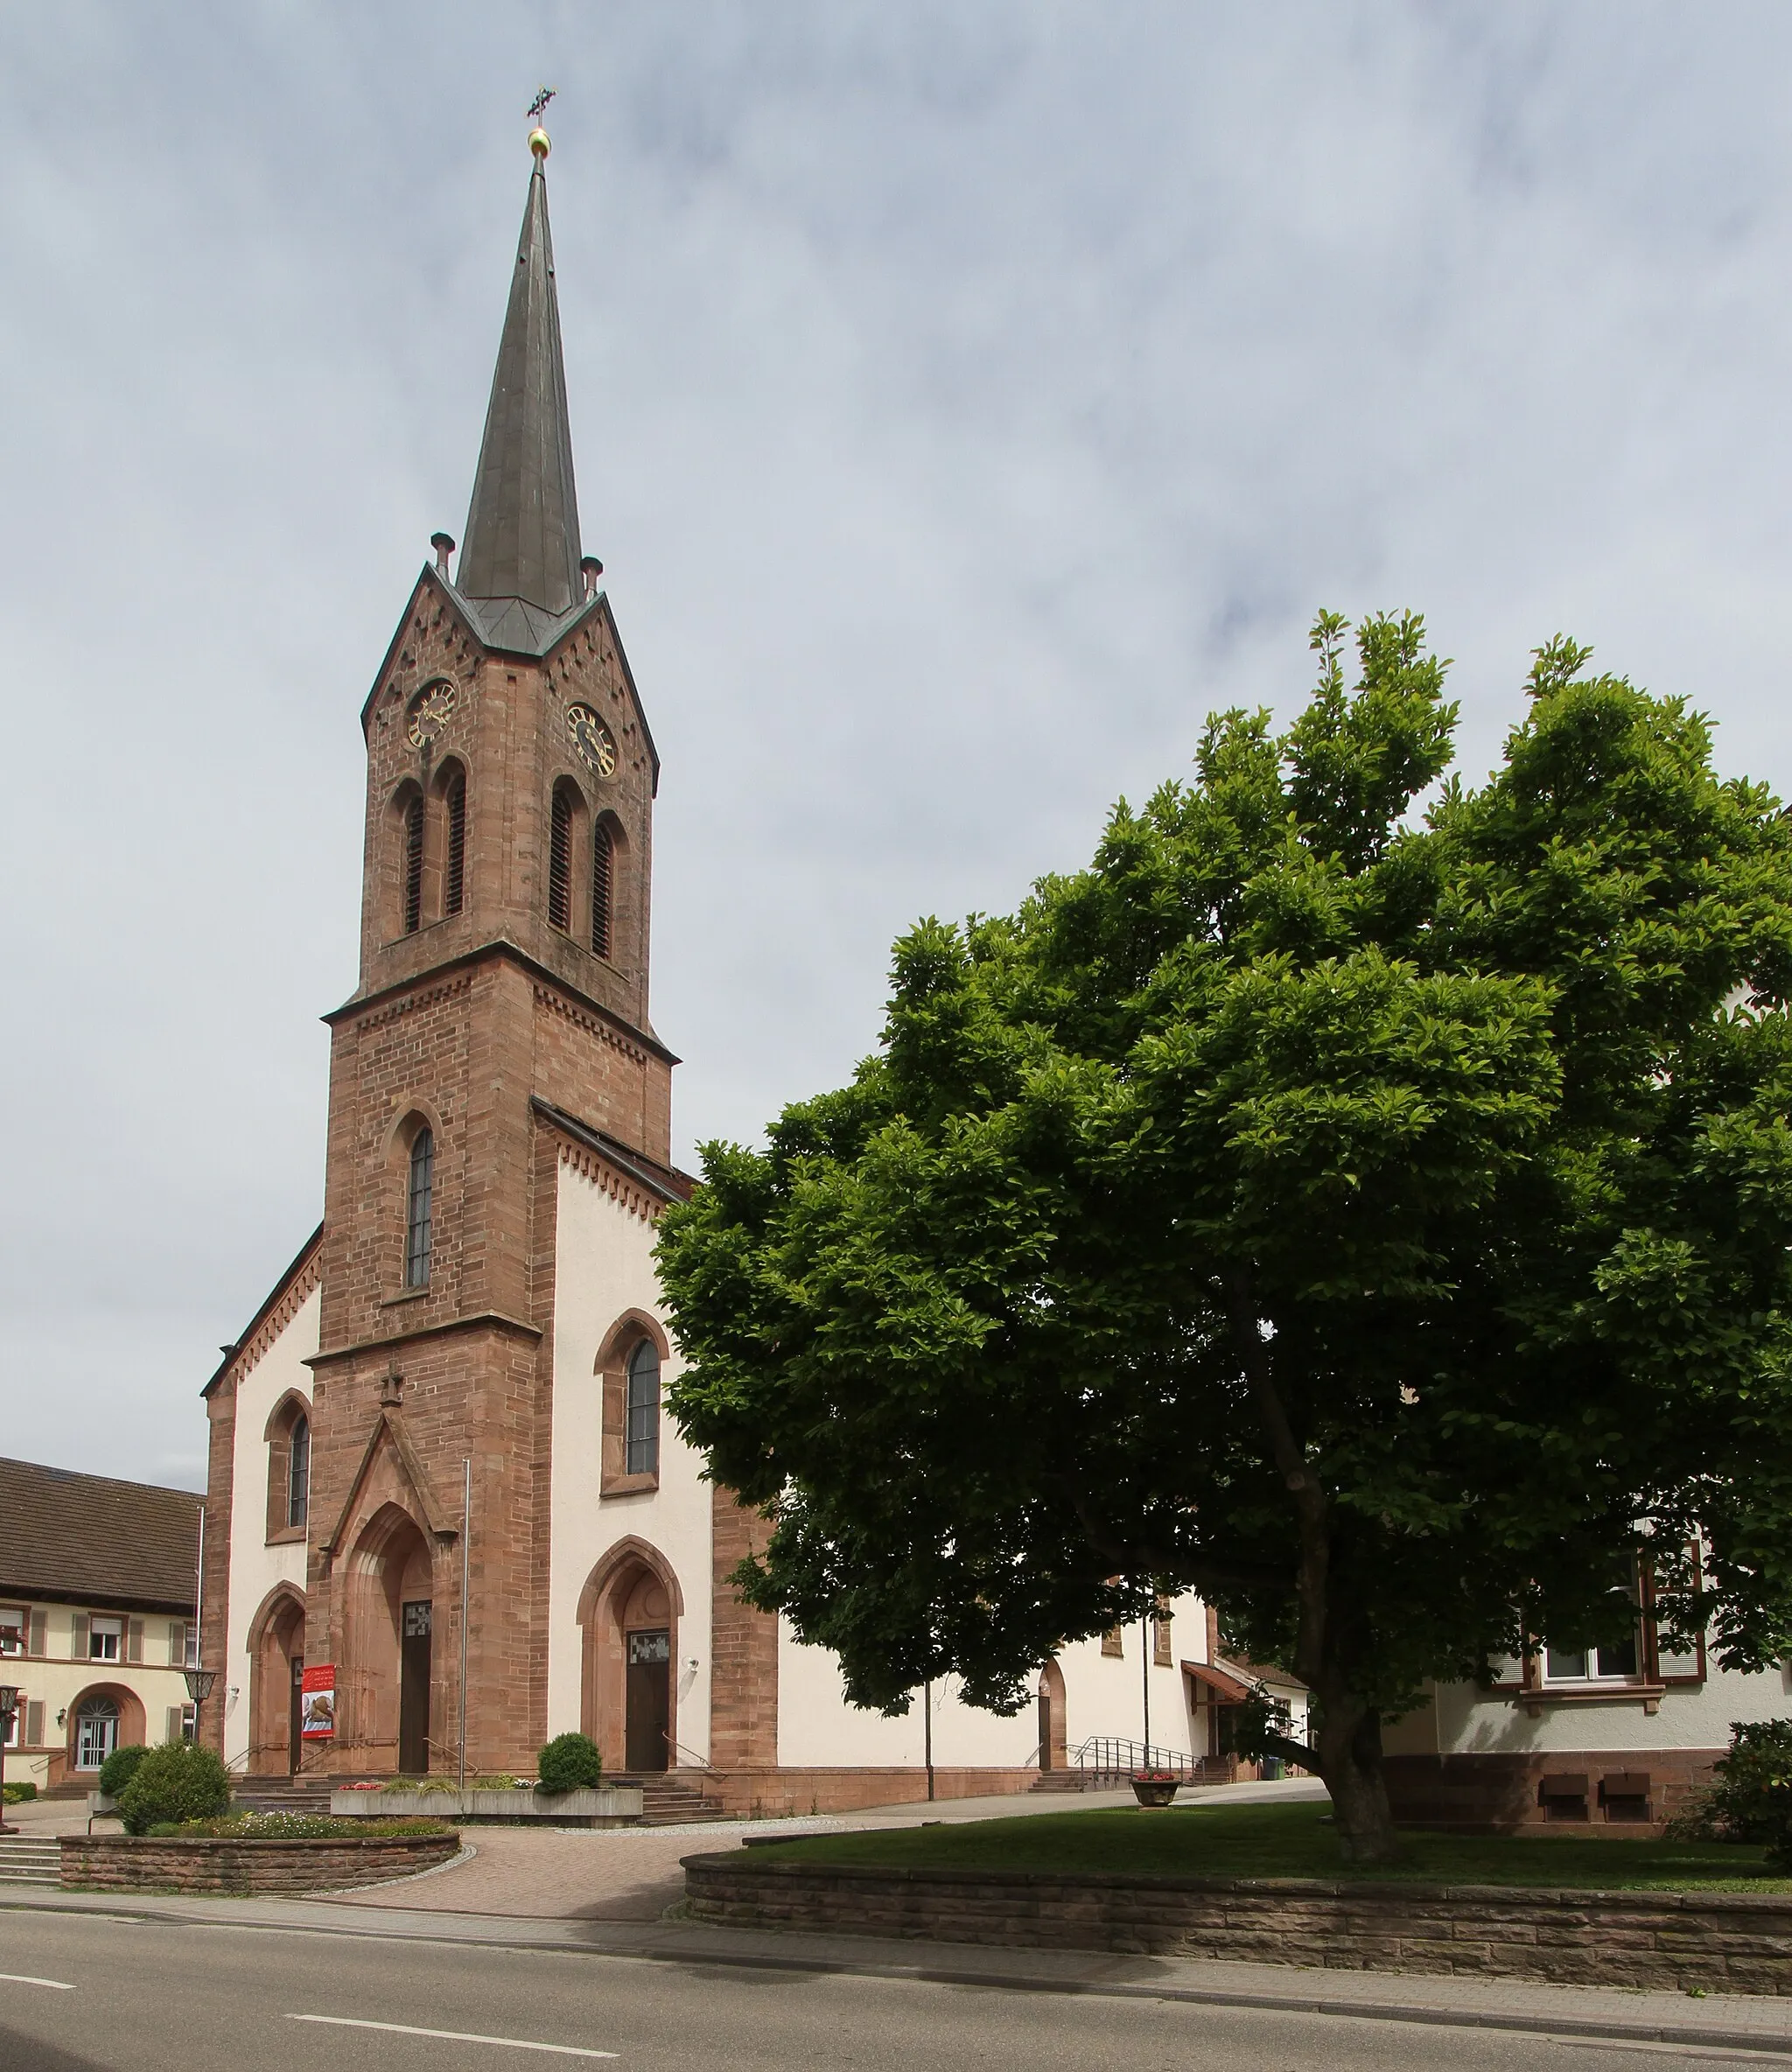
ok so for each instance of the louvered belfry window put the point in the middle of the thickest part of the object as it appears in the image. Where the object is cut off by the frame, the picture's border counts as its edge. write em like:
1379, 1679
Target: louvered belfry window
602, 861
560, 863
454, 889
413, 865
419, 1217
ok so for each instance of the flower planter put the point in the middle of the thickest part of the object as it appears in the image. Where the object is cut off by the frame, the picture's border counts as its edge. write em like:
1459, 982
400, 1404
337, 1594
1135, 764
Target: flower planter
1154, 1791
606, 1805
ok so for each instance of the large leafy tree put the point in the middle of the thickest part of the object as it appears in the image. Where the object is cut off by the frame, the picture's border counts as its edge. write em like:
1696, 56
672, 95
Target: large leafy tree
1376, 1220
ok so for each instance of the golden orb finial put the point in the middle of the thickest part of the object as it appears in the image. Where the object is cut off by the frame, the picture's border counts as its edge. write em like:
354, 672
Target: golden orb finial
538, 136
538, 143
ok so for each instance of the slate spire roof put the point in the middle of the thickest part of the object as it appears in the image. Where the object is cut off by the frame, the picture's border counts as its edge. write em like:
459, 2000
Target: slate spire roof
523, 526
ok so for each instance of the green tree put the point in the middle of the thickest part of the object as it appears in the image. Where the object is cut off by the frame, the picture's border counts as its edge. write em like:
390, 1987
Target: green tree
1374, 1219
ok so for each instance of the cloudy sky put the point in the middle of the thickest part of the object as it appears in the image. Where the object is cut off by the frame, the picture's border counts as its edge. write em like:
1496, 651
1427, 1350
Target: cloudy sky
966, 398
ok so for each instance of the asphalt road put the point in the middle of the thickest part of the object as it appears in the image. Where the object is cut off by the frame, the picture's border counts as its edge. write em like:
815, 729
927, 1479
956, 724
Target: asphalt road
83, 1992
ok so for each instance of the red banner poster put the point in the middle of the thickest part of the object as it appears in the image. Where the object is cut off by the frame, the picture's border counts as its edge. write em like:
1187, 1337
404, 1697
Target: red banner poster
317, 1701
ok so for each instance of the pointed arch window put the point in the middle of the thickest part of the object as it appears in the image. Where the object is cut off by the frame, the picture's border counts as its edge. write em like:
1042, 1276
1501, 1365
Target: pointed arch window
414, 865
602, 875
560, 861
418, 1216
641, 1432
298, 1471
454, 878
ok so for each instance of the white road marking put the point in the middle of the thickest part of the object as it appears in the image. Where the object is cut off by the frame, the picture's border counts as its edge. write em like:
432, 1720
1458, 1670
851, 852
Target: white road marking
22, 1978
399, 2028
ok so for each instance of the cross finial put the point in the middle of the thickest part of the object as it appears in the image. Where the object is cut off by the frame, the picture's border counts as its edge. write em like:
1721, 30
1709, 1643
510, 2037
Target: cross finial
538, 108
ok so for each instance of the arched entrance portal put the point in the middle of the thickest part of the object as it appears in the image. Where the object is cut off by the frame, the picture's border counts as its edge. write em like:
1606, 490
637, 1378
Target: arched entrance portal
276, 1664
1055, 1739
386, 1685
629, 1610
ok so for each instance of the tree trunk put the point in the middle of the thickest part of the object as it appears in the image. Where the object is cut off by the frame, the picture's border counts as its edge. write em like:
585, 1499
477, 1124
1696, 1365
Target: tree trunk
1350, 1762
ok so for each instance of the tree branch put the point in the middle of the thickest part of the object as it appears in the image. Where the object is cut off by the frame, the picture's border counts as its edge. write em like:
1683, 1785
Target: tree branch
1132, 1557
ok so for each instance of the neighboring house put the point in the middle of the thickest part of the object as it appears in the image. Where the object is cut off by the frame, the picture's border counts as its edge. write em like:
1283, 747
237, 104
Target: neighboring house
475, 1342
97, 1617
1593, 1738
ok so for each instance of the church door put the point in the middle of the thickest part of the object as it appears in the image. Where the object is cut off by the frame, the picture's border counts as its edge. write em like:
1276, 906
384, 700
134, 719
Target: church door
295, 1742
648, 1697
414, 1690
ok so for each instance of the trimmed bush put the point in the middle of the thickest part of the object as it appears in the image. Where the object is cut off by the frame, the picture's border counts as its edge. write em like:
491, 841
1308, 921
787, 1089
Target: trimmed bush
176, 1781
120, 1767
570, 1762
17, 1794
1752, 1799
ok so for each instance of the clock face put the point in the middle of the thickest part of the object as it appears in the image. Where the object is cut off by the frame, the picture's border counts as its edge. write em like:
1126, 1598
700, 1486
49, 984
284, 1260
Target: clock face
430, 711
592, 742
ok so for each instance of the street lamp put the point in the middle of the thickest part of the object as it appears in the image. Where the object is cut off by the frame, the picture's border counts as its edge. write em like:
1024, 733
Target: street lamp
199, 1689
8, 1713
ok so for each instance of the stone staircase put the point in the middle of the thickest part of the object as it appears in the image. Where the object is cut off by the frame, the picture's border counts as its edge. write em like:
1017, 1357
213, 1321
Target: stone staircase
671, 1797
282, 1795
30, 1859
1066, 1781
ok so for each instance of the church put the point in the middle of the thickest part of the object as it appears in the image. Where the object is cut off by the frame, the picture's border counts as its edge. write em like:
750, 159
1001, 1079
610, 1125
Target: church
440, 1486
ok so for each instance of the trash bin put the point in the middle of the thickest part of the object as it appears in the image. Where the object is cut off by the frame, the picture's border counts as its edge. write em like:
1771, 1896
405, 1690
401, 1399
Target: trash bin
1270, 1768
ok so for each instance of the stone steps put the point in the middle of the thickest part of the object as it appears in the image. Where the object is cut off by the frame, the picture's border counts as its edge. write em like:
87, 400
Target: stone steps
30, 1859
669, 1800
282, 1795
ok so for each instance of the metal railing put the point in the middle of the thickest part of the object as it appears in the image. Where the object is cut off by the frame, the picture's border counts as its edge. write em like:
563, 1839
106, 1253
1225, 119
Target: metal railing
1107, 1755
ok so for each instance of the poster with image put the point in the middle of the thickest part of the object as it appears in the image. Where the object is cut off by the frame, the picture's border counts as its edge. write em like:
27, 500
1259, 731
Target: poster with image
317, 1701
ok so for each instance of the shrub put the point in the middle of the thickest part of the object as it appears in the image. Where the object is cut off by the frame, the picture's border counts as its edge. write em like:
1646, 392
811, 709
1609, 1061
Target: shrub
570, 1762
1751, 1800
176, 1781
120, 1767
16, 1794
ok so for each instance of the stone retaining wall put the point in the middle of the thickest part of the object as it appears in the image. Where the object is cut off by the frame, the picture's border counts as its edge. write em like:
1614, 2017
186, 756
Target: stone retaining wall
138, 1863
1735, 1942
770, 1793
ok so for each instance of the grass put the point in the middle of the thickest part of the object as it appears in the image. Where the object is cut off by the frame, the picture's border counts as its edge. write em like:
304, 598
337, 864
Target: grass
1289, 1841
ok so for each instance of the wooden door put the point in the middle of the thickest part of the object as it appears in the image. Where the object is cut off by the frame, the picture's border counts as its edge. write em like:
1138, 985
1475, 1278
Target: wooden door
414, 1688
649, 1701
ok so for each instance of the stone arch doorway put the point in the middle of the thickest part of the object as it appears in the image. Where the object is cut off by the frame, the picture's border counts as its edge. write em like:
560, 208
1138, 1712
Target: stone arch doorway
277, 1662
1055, 1733
629, 1610
104, 1716
387, 1675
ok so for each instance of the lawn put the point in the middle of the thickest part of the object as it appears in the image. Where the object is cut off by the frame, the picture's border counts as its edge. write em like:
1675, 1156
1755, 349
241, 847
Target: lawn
1282, 1841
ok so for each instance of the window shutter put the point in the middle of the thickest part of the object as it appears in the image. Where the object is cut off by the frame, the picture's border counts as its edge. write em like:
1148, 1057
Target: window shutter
34, 1723
78, 1650
176, 1642
134, 1640
413, 865
174, 1731
39, 1641
456, 889
560, 862
600, 890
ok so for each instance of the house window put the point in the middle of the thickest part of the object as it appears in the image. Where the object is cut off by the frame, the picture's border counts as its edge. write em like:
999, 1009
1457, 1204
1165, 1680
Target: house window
454, 878
12, 1629
643, 1428
1591, 1665
298, 1471
95, 1733
417, 1237
105, 1639
603, 858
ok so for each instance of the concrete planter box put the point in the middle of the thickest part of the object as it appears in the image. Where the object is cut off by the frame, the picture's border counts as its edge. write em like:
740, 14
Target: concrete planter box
101, 1802
607, 1805
1731, 1943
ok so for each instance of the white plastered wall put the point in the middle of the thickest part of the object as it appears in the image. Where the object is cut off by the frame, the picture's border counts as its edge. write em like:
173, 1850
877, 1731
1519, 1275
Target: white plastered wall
1460, 1720
255, 1566
1104, 1697
603, 1267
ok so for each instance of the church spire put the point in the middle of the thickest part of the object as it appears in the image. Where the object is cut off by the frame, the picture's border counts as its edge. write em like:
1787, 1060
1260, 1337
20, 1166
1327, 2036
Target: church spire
523, 526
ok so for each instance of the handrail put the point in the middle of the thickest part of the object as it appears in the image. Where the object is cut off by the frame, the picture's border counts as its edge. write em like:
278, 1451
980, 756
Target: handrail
1109, 1754
702, 1763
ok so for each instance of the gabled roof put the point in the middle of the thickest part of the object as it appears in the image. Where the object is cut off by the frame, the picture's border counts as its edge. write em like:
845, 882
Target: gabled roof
85, 1539
306, 1251
666, 1182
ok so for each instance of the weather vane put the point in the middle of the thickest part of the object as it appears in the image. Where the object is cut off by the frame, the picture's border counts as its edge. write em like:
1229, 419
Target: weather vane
538, 108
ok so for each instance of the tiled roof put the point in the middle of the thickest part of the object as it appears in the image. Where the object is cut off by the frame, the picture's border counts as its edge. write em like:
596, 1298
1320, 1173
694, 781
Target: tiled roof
85, 1539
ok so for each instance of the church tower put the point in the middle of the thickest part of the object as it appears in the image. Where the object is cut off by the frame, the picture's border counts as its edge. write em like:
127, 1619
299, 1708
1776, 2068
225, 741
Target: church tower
501, 1009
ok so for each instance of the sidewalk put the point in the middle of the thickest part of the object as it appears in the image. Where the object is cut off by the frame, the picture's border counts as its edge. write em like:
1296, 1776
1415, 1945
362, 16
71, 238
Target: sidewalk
1721, 2021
